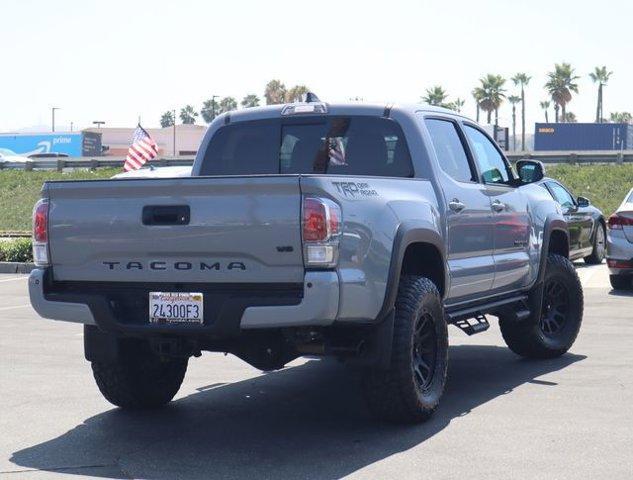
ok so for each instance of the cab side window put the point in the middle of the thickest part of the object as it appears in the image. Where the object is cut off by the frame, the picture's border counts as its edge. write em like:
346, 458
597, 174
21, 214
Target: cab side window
450, 150
561, 195
492, 165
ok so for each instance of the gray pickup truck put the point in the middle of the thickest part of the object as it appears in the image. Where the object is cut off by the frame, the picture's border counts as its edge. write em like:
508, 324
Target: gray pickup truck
355, 231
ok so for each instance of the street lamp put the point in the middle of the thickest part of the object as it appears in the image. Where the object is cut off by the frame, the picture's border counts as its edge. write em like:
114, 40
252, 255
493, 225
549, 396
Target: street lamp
174, 142
213, 97
98, 123
53, 117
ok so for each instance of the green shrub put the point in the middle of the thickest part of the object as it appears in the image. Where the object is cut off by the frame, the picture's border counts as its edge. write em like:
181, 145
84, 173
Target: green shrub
16, 250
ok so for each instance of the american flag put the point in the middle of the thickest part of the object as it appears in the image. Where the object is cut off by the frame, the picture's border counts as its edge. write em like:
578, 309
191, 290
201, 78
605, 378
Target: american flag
143, 148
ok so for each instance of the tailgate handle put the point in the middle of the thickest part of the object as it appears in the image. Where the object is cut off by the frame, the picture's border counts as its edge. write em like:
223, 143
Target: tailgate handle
166, 215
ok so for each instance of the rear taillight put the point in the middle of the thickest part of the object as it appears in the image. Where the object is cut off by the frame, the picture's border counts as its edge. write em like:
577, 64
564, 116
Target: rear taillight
613, 263
321, 228
40, 233
617, 222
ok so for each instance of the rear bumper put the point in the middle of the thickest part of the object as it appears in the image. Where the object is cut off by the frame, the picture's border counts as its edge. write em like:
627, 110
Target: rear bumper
56, 310
619, 253
122, 308
620, 266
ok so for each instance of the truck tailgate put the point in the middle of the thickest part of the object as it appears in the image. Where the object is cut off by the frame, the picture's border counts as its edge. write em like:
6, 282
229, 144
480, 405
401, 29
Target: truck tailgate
239, 230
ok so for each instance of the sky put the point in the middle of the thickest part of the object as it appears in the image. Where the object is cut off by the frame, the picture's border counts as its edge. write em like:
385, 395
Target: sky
117, 60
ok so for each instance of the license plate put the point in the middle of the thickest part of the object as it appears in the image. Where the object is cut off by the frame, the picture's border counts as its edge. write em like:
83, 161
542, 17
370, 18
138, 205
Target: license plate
176, 307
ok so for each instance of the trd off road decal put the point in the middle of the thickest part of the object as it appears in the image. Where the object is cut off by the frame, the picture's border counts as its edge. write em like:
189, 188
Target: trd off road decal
355, 189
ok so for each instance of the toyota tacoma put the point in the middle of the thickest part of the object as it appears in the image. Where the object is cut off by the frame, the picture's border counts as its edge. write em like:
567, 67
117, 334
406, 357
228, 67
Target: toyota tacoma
354, 231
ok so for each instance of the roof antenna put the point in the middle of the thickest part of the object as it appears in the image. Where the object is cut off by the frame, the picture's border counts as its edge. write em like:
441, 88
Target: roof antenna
310, 97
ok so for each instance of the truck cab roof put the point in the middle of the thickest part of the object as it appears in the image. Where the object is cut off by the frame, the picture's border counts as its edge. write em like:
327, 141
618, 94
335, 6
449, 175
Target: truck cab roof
348, 108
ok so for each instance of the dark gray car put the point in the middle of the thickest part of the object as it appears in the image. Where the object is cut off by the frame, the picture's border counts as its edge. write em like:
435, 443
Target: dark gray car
356, 231
586, 223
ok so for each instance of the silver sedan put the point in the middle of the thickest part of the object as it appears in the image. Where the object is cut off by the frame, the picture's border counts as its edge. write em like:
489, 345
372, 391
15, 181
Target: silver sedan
620, 245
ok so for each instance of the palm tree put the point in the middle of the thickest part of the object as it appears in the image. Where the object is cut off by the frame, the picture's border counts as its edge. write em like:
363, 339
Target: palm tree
227, 104
545, 106
513, 99
275, 92
560, 85
459, 104
250, 100
296, 93
492, 95
167, 119
621, 117
435, 96
521, 80
188, 115
570, 117
478, 95
601, 76
209, 109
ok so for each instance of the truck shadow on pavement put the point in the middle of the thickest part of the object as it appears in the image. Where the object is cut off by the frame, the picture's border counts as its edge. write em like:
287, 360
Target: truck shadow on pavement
305, 422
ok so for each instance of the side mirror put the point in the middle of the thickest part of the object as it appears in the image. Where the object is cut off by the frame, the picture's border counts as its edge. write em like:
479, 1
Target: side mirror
583, 202
530, 171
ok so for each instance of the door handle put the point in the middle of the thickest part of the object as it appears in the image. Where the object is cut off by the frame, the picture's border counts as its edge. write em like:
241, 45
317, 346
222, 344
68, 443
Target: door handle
497, 206
456, 206
166, 215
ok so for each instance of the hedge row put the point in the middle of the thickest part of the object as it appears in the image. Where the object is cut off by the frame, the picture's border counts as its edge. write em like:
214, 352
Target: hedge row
16, 250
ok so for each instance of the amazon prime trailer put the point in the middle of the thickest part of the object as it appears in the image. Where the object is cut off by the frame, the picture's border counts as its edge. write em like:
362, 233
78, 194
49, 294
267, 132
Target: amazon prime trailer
72, 144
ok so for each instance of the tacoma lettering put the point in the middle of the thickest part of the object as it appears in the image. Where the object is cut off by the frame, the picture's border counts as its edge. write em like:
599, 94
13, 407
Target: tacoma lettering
178, 265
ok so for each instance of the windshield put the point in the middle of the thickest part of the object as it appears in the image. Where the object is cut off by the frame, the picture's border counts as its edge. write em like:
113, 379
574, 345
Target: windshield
352, 145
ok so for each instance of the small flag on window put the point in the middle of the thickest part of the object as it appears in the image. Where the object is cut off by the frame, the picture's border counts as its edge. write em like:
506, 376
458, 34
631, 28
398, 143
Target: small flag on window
143, 149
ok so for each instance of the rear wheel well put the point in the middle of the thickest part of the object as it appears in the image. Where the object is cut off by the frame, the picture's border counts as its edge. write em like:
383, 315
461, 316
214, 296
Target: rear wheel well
424, 259
559, 243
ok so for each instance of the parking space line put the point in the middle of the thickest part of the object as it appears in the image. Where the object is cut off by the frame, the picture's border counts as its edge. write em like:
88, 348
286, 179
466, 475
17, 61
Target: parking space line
13, 279
587, 276
14, 306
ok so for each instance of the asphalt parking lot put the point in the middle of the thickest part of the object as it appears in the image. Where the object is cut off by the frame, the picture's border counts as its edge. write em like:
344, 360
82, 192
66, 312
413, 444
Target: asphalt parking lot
501, 417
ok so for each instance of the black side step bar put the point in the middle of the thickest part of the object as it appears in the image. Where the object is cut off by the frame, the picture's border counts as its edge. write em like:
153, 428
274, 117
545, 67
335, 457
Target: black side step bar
471, 319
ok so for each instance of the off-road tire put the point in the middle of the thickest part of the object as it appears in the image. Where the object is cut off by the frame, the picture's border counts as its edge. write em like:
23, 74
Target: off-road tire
400, 393
139, 380
599, 252
536, 337
621, 282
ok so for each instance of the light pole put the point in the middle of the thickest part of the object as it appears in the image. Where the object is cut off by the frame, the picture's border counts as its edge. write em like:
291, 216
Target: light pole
53, 117
213, 97
98, 123
174, 142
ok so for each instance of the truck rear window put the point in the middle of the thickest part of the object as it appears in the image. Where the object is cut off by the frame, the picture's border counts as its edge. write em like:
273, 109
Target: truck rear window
353, 145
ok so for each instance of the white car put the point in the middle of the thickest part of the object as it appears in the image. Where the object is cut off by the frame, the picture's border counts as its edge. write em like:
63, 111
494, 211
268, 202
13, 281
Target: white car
620, 244
156, 172
7, 155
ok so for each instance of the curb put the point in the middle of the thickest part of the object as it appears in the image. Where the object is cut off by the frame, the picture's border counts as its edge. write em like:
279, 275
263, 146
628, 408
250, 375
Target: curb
16, 267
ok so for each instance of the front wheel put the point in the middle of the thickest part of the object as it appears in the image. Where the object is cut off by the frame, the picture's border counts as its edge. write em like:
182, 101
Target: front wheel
598, 252
411, 389
551, 331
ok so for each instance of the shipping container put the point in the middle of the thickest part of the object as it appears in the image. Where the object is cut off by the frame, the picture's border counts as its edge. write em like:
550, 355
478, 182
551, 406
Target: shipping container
583, 136
74, 144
